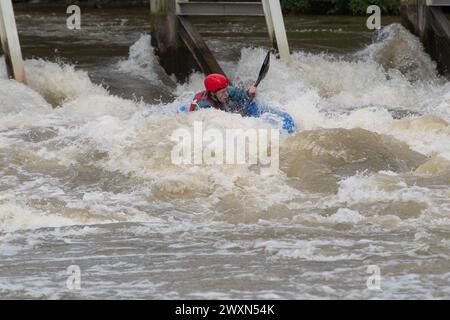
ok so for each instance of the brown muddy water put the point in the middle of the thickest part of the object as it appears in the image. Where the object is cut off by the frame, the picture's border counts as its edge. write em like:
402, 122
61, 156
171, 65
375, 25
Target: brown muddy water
86, 177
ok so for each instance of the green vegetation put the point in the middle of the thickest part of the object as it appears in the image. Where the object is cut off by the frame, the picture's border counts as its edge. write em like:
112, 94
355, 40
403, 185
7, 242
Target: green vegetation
355, 7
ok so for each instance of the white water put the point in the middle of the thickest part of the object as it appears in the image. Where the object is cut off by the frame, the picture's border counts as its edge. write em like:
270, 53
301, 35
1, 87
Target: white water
344, 196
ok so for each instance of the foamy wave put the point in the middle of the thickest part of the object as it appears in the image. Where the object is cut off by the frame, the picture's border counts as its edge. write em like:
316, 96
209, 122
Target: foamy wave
310, 250
186, 91
396, 48
15, 216
17, 97
59, 83
141, 61
96, 105
321, 91
100, 141
287, 89
429, 135
376, 188
436, 165
345, 215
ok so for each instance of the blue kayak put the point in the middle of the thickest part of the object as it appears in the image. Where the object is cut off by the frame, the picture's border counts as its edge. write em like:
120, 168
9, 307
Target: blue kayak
271, 115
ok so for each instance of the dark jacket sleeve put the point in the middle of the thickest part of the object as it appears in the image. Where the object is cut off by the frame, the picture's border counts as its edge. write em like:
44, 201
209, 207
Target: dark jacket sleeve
237, 94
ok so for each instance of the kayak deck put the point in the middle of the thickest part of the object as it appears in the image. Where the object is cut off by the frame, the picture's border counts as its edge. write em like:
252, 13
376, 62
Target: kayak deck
273, 116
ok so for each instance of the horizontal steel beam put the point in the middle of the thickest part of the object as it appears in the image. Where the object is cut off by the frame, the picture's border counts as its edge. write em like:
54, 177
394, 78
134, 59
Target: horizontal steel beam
439, 3
430, 3
192, 8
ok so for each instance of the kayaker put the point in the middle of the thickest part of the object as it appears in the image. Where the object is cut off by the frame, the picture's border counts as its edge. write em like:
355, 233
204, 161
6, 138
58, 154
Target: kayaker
220, 95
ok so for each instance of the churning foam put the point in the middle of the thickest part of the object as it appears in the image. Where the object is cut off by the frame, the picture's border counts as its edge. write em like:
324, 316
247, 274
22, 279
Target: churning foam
111, 156
141, 61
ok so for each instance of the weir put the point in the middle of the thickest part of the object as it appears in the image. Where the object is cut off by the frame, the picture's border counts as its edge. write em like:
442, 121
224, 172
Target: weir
10, 42
426, 19
181, 48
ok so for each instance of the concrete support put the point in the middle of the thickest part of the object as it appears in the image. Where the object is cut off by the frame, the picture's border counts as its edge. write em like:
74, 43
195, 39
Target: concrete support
10, 42
275, 26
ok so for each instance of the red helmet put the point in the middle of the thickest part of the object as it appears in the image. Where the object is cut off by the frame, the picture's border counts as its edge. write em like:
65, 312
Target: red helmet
215, 81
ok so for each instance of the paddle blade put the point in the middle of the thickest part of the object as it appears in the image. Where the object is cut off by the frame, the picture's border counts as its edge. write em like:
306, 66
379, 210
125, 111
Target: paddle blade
264, 69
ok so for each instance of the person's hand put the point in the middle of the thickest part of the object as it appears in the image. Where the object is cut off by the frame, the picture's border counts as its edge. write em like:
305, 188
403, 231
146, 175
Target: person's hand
252, 91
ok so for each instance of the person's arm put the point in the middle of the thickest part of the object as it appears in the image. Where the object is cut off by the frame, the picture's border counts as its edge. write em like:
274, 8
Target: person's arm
252, 92
240, 99
240, 94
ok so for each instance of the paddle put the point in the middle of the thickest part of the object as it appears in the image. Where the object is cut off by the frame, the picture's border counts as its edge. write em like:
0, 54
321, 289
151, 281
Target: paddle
264, 69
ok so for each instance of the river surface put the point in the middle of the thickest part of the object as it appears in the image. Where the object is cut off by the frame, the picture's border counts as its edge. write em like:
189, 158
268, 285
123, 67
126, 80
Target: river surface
87, 182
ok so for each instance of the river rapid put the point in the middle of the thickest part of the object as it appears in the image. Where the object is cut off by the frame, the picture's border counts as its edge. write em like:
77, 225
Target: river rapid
86, 177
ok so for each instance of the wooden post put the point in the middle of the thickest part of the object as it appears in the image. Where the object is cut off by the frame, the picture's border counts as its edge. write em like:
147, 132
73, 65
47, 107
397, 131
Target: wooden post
10, 42
173, 56
437, 39
180, 49
428, 22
